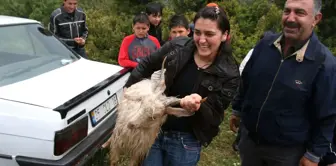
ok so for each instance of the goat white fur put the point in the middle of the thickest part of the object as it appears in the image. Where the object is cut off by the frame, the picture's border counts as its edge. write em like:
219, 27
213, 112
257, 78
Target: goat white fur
141, 112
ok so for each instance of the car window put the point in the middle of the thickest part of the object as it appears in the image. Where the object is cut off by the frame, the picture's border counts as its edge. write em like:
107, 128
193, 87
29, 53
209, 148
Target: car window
17, 42
29, 50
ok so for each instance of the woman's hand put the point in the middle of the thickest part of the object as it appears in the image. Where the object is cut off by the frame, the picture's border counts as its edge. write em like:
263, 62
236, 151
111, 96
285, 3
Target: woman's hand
306, 162
191, 102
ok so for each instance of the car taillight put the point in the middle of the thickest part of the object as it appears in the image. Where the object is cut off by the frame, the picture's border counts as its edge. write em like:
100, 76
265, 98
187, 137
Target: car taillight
70, 136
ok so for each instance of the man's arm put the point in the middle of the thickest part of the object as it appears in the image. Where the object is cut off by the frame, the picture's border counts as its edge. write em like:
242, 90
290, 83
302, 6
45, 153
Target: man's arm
323, 112
239, 98
85, 29
53, 22
245, 60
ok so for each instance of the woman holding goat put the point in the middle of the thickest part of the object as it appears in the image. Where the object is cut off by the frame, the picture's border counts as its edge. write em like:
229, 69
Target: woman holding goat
203, 68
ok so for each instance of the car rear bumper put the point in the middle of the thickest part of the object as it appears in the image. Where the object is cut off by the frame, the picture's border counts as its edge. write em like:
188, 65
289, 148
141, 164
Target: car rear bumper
81, 153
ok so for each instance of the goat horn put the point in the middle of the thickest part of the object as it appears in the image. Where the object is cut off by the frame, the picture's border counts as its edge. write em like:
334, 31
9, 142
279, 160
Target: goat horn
177, 101
162, 67
178, 112
173, 102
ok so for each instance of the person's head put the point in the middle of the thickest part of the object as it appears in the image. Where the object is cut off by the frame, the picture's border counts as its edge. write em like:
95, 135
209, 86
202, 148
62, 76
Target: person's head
154, 12
179, 26
141, 25
300, 17
212, 28
70, 5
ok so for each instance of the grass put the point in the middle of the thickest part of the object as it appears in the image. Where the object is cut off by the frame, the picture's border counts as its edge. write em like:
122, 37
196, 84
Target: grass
218, 153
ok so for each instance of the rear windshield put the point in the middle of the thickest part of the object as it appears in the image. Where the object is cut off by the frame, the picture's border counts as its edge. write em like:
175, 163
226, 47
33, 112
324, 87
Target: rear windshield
29, 50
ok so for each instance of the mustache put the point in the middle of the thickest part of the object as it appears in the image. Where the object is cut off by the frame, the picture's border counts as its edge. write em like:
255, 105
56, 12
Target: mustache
290, 24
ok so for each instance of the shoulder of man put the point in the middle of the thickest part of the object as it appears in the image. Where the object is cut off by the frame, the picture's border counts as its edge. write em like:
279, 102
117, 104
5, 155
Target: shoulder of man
326, 56
270, 37
80, 11
56, 12
266, 41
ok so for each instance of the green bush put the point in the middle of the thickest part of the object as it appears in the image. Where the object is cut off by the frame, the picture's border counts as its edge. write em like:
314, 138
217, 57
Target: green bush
106, 33
110, 21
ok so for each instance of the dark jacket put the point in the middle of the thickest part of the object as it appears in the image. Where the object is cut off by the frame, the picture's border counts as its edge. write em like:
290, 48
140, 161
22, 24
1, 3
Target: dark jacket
156, 31
218, 83
289, 101
330, 157
67, 26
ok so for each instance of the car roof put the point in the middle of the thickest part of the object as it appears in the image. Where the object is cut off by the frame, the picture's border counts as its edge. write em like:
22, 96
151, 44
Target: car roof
12, 20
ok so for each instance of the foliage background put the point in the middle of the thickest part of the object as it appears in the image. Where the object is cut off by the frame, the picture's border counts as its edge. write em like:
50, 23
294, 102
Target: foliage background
110, 20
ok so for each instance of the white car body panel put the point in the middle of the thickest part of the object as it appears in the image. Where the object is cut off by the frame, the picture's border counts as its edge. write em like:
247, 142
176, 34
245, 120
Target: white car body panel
27, 115
60, 85
9, 20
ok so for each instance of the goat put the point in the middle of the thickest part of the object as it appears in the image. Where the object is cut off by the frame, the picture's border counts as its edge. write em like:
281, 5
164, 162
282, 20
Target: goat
141, 112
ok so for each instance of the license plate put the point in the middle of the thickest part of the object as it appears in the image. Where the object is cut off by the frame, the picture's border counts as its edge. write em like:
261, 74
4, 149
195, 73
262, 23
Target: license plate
103, 110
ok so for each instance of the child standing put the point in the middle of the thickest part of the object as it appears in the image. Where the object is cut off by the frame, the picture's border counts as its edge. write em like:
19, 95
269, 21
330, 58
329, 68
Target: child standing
138, 45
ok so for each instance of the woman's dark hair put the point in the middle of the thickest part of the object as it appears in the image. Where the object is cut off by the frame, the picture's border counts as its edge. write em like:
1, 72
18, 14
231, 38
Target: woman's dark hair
154, 8
216, 14
178, 20
141, 18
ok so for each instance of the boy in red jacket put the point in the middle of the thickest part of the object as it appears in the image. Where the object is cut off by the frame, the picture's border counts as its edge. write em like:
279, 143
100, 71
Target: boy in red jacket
138, 45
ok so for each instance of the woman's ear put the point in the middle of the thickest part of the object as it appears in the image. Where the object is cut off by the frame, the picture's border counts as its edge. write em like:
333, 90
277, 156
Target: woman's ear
224, 36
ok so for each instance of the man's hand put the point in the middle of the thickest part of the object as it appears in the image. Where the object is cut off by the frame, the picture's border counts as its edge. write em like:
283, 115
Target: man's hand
191, 102
306, 162
79, 40
332, 164
234, 123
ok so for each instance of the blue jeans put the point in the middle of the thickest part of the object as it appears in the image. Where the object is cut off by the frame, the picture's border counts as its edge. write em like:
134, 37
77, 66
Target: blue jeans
81, 52
174, 149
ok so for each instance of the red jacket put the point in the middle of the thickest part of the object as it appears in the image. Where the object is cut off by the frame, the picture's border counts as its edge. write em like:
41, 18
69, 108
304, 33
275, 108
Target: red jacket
133, 49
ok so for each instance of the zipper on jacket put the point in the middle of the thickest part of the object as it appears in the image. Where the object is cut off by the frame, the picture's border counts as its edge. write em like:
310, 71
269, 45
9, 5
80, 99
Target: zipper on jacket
77, 29
70, 26
269, 91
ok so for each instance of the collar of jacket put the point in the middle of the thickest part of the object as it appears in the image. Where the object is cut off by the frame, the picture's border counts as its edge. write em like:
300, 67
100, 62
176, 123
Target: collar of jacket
307, 51
219, 67
146, 36
154, 28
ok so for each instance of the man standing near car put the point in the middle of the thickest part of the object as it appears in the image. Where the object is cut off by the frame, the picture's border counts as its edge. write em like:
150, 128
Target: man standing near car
68, 23
286, 100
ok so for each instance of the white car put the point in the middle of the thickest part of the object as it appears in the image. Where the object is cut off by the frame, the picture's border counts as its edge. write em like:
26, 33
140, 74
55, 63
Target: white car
56, 108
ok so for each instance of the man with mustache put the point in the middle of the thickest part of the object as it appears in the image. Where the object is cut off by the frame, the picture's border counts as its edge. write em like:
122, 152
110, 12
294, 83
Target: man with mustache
286, 100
